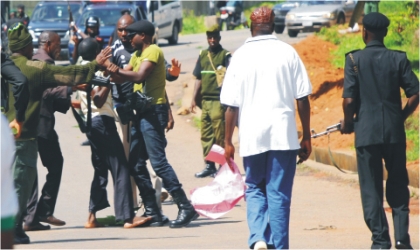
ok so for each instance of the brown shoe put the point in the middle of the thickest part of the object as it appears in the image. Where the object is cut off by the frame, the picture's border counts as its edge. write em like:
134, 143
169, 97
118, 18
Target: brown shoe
52, 220
137, 221
36, 227
93, 224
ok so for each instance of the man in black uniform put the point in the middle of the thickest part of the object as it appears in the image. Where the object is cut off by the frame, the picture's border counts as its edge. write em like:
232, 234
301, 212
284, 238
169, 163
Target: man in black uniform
53, 99
372, 81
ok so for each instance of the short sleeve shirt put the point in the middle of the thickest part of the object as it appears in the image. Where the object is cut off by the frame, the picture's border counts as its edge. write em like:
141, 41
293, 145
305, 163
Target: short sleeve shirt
154, 84
264, 78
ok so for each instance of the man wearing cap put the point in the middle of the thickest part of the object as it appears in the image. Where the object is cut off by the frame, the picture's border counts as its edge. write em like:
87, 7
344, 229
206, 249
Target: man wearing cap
147, 67
373, 110
206, 86
261, 93
40, 76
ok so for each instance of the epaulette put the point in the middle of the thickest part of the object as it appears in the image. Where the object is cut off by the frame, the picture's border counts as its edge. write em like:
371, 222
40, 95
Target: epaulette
227, 53
200, 52
400, 51
353, 51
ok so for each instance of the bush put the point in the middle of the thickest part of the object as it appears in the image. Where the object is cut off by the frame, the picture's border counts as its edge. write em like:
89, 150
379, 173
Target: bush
412, 134
192, 24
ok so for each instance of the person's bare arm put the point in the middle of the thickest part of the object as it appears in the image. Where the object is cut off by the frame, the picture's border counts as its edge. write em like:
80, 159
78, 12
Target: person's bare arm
171, 121
99, 95
144, 71
197, 89
304, 110
349, 109
231, 118
410, 106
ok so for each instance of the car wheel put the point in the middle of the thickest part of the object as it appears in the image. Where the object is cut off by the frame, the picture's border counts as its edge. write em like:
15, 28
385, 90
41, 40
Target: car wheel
292, 33
341, 19
279, 29
174, 37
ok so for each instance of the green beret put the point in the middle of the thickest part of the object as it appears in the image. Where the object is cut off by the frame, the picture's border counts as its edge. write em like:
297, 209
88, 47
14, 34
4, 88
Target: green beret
19, 37
375, 21
213, 29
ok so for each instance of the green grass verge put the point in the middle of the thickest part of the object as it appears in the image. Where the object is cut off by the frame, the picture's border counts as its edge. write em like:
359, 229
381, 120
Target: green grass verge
412, 134
192, 24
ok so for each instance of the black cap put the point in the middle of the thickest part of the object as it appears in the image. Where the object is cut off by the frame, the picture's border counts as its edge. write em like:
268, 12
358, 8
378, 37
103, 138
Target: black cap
88, 48
92, 21
375, 21
142, 26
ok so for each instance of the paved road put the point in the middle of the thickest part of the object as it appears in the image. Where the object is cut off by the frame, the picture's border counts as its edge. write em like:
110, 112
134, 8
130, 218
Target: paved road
326, 210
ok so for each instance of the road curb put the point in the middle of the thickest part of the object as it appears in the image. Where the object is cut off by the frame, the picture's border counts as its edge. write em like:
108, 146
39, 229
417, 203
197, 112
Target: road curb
347, 161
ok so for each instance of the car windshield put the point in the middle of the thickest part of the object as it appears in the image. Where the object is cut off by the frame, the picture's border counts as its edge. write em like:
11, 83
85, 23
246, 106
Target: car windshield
54, 13
107, 17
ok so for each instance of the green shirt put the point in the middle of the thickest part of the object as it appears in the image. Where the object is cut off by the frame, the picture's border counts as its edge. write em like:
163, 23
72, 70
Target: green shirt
40, 77
154, 84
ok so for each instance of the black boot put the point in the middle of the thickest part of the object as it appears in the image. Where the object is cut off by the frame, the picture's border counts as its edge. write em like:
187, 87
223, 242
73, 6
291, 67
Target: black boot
151, 209
209, 170
186, 212
20, 236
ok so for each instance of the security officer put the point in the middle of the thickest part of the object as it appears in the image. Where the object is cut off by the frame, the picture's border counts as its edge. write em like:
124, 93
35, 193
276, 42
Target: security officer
92, 25
206, 86
372, 81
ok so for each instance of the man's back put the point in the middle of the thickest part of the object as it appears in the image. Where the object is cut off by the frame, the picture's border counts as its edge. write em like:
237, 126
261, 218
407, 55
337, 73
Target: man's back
381, 74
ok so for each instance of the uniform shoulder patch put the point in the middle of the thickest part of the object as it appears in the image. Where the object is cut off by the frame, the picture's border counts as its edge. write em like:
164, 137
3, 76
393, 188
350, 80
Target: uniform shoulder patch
36, 64
353, 51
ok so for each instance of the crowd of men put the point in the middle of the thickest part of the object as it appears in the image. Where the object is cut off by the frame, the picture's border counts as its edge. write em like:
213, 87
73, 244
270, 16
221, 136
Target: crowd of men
231, 91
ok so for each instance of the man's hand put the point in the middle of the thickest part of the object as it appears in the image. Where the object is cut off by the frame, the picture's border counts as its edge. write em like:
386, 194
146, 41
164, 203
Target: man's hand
112, 68
305, 150
16, 128
75, 104
171, 121
102, 58
81, 87
229, 154
175, 68
192, 107
346, 127
75, 39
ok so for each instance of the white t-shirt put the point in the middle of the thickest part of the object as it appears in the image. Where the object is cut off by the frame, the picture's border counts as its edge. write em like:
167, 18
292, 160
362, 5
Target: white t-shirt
9, 204
264, 78
106, 109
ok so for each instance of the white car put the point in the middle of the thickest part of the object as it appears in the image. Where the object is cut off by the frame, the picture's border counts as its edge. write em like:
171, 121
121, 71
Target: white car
318, 14
167, 15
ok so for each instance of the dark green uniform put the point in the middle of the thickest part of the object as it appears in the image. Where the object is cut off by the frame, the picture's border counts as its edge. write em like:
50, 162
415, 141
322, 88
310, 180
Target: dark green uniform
374, 80
212, 116
40, 77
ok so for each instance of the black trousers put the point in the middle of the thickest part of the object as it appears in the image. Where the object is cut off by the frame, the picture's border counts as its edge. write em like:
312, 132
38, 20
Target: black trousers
50, 153
370, 169
108, 154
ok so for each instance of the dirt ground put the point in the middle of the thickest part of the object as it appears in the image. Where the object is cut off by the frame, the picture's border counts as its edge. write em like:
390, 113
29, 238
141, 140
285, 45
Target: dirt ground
327, 83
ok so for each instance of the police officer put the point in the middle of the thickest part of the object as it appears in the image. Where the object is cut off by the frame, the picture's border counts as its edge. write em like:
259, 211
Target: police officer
92, 25
206, 86
372, 106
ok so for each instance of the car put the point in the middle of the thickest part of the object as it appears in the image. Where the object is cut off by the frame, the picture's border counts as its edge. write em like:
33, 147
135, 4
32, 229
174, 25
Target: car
54, 16
280, 11
167, 15
318, 14
108, 13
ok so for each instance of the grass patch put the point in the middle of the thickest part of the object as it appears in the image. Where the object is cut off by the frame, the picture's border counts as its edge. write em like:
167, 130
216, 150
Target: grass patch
196, 122
412, 134
192, 24
402, 34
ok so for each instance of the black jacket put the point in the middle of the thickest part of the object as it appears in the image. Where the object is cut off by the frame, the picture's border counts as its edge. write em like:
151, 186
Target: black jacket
374, 80
53, 99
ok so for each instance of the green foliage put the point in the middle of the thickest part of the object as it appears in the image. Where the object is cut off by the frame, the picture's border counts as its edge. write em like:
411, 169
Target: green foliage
192, 24
412, 134
402, 33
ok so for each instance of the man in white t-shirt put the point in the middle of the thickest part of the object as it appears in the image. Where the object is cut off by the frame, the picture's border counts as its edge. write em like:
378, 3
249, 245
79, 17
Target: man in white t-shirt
9, 206
264, 79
